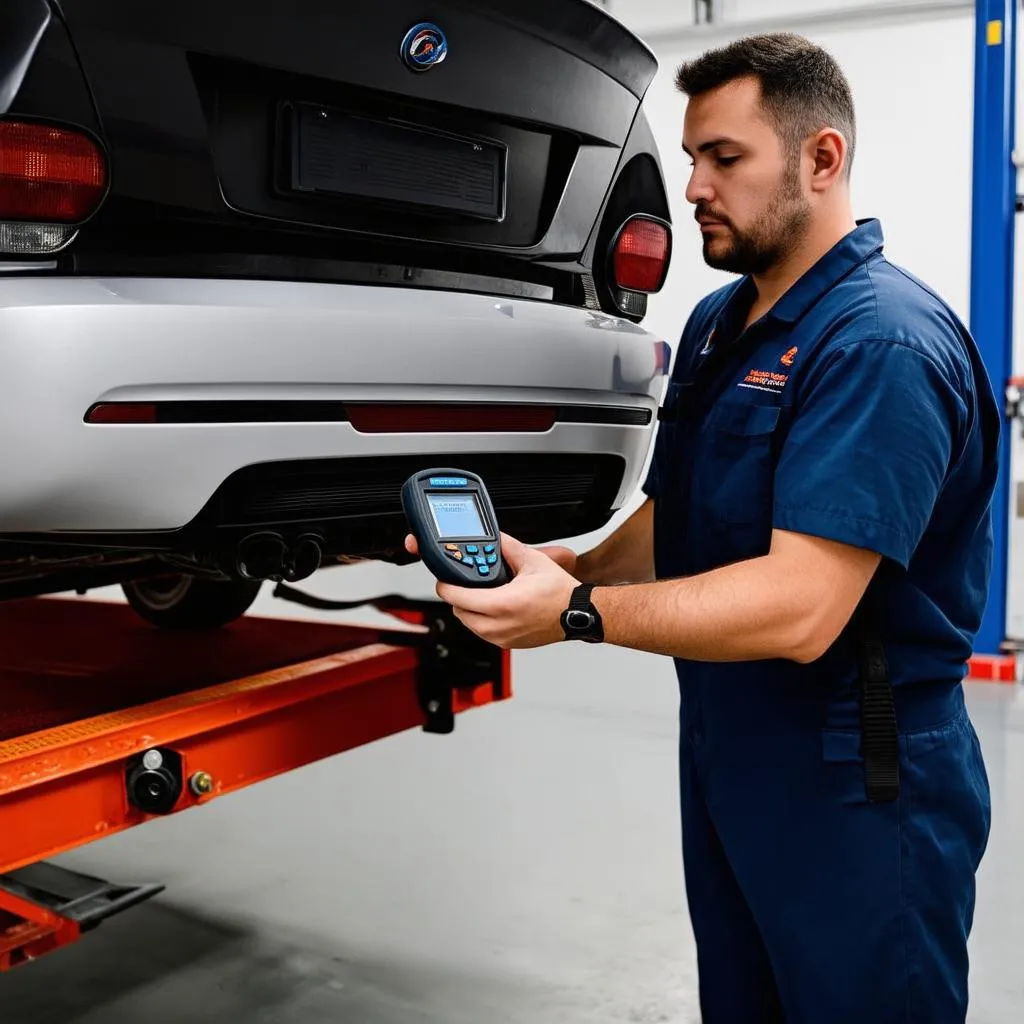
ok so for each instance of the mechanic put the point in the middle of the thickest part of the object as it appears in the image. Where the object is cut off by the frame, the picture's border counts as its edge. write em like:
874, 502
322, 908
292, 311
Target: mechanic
814, 552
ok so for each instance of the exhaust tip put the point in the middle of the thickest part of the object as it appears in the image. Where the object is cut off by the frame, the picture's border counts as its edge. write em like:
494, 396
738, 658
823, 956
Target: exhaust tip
304, 558
260, 556
268, 556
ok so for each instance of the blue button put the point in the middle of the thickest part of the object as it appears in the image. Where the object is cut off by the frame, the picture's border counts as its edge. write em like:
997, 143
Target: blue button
471, 549
488, 549
480, 560
492, 559
448, 481
484, 570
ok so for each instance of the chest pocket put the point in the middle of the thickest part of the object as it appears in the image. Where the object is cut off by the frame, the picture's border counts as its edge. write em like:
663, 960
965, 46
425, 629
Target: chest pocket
734, 481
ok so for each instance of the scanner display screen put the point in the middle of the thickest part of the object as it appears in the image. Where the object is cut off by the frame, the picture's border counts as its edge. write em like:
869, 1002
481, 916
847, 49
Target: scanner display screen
456, 515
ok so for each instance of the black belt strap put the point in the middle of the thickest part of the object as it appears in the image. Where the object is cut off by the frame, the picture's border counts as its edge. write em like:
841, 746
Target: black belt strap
880, 744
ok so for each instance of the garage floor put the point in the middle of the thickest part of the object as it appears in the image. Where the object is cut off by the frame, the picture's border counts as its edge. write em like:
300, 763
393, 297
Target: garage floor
524, 869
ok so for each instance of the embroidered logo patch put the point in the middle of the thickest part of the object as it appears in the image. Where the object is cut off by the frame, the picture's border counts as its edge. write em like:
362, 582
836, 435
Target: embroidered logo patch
764, 380
787, 359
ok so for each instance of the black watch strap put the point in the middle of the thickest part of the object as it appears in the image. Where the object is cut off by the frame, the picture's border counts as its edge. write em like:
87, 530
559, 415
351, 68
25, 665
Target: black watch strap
581, 620
580, 600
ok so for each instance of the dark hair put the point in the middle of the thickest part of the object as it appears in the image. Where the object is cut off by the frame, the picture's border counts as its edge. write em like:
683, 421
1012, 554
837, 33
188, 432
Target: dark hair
803, 89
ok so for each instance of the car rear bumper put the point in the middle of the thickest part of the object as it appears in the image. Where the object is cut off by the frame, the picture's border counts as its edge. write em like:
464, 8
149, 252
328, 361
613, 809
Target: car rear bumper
67, 344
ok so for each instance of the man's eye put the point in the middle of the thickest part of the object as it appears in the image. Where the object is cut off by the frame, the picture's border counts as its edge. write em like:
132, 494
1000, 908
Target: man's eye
727, 161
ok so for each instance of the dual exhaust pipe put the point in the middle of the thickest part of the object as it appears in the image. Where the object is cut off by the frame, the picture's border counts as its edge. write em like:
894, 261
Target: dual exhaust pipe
270, 556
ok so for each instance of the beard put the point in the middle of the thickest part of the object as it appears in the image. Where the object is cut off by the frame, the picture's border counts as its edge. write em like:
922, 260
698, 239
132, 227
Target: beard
775, 233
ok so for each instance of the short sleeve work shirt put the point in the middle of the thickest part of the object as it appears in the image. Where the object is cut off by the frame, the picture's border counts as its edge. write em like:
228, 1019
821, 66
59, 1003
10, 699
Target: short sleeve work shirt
857, 410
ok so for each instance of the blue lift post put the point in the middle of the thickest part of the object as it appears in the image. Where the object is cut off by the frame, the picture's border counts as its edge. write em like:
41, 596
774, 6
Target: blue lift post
995, 188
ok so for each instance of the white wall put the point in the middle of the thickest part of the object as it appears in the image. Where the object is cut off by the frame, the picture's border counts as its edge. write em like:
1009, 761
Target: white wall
646, 16
913, 90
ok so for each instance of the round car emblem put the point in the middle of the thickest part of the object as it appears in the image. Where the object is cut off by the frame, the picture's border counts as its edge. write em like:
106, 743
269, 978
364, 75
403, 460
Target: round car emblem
424, 47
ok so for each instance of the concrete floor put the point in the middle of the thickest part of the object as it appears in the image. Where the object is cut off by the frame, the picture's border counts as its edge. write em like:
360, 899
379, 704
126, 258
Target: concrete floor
526, 868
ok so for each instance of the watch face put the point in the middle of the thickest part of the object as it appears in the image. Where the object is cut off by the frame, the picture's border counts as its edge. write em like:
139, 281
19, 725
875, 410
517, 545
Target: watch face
578, 620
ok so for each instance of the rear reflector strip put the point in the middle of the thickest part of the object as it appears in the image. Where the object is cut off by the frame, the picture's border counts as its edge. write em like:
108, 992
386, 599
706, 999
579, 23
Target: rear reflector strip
443, 419
122, 412
218, 412
49, 174
371, 418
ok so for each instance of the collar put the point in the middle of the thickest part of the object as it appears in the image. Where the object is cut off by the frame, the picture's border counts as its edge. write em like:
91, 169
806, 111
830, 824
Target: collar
849, 253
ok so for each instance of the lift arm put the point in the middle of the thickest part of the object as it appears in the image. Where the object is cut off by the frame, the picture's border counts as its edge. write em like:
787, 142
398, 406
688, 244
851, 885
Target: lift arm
106, 723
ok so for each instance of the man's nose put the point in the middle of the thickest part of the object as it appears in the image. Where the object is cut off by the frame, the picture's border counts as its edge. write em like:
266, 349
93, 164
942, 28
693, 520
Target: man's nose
699, 188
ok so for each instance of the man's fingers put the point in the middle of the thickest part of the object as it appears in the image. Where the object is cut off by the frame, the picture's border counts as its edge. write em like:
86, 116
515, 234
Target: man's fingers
482, 625
410, 545
513, 551
521, 556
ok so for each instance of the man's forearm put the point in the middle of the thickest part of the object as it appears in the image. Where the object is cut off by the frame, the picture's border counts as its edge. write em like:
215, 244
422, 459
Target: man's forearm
741, 612
626, 556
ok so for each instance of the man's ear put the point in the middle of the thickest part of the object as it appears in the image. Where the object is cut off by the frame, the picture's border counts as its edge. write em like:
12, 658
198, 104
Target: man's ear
828, 152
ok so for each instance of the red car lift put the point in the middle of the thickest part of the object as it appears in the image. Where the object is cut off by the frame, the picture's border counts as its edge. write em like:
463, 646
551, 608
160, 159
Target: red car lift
106, 723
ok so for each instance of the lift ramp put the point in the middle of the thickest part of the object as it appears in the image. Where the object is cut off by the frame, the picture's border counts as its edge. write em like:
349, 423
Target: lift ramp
107, 723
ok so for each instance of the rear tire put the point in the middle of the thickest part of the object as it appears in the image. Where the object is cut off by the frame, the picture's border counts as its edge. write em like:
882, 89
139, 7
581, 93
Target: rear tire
189, 603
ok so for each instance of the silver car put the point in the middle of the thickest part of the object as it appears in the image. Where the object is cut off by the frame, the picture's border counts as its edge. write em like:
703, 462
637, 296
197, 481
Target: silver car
258, 265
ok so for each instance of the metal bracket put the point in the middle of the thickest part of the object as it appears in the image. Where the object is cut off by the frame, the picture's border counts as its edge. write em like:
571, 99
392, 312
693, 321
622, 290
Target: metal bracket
454, 658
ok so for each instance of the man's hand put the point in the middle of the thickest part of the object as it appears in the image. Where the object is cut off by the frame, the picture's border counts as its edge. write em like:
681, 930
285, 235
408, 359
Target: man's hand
521, 614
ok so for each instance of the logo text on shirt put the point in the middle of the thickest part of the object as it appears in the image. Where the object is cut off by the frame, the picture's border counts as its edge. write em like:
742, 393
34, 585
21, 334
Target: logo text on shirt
764, 380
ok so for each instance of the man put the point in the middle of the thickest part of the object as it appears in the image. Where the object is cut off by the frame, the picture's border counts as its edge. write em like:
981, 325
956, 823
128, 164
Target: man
829, 448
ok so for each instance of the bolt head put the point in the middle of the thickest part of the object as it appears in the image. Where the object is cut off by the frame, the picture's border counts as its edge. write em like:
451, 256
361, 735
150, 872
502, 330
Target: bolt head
201, 783
152, 760
434, 706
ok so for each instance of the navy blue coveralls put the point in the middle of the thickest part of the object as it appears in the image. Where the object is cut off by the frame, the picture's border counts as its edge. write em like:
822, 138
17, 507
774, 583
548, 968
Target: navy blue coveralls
857, 410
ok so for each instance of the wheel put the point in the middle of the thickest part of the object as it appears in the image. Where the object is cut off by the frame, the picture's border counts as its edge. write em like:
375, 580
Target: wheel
189, 603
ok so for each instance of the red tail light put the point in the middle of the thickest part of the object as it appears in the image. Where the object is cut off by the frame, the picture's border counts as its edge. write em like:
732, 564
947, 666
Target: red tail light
641, 255
49, 174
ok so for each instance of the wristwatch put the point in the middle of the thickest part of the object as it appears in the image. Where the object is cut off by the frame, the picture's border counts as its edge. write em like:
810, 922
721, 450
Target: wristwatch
581, 620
